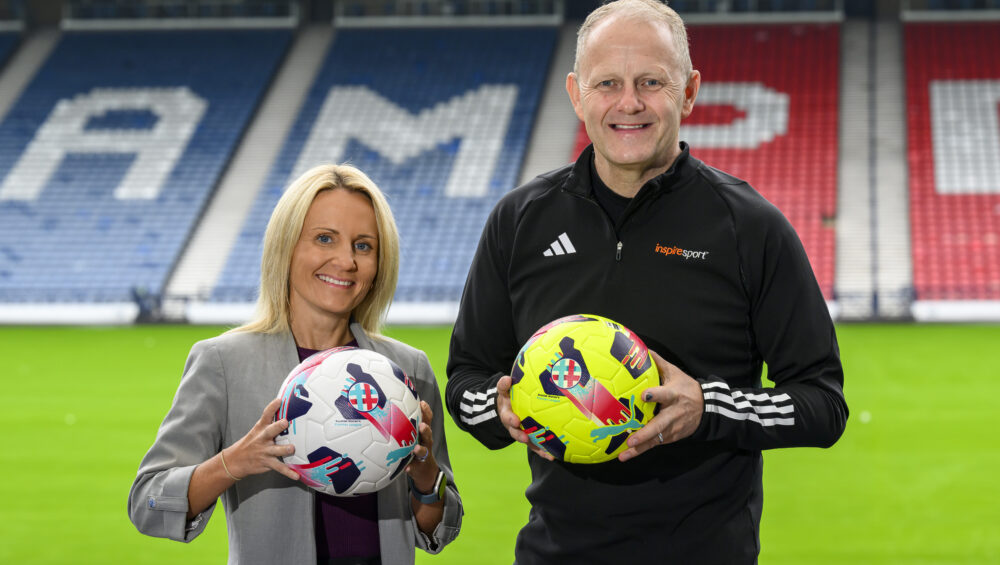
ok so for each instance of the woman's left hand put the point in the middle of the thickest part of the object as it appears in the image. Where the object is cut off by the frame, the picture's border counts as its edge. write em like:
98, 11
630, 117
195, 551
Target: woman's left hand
423, 469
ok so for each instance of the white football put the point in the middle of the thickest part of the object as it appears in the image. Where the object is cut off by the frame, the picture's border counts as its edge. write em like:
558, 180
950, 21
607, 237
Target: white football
353, 417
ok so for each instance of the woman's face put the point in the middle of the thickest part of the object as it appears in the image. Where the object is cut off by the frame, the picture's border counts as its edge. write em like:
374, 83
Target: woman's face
335, 260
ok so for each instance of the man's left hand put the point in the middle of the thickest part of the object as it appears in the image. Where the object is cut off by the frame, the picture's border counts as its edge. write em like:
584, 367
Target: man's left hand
680, 408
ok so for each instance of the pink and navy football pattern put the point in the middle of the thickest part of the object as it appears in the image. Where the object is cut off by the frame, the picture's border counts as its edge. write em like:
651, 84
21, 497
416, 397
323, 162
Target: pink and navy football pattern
361, 398
327, 468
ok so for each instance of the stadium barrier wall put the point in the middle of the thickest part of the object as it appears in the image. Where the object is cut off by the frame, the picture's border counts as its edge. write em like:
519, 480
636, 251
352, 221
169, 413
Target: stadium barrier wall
112, 313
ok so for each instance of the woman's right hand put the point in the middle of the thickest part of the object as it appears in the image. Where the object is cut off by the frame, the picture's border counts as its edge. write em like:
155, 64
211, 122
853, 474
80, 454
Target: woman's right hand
256, 452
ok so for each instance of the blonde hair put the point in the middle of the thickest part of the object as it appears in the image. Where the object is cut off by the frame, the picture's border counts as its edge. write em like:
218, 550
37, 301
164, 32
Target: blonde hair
645, 10
283, 229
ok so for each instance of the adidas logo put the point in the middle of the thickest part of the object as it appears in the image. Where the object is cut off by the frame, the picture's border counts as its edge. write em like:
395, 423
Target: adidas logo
561, 246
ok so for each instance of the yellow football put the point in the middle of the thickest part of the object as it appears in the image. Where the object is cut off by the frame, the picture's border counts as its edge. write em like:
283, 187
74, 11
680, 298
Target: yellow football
577, 387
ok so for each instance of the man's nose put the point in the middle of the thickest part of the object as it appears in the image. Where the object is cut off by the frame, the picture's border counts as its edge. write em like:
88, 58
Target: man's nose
629, 102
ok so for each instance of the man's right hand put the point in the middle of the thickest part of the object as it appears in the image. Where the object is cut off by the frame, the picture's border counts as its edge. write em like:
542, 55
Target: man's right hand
512, 422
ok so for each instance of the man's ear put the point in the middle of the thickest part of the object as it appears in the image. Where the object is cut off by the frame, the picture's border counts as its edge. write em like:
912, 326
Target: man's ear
573, 89
691, 93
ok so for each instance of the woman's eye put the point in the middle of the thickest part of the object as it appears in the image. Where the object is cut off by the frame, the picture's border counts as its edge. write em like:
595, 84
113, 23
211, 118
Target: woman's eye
324, 238
363, 246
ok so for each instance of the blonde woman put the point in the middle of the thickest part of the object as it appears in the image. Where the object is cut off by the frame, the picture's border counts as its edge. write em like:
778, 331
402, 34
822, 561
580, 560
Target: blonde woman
328, 273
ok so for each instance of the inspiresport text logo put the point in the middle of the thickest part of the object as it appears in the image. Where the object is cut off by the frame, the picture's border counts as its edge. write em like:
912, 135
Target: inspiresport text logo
685, 253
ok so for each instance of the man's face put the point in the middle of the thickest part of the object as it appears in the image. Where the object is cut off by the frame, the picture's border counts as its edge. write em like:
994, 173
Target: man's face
631, 95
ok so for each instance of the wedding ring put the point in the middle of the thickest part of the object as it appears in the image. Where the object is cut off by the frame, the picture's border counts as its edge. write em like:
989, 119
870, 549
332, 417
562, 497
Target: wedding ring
424, 458
660, 435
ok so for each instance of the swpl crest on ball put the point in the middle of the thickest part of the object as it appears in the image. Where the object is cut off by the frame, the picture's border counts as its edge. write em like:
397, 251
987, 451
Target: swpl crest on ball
353, 417
577, 386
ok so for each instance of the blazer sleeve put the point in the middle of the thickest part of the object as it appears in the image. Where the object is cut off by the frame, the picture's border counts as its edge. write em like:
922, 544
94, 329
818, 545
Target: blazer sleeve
451, 522
191, 433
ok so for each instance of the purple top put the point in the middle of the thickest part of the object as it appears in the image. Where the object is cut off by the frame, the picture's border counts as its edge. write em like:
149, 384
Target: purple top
345, 526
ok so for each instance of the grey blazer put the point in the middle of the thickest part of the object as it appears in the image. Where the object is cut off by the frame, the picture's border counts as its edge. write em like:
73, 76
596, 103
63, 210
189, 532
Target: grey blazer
227, 382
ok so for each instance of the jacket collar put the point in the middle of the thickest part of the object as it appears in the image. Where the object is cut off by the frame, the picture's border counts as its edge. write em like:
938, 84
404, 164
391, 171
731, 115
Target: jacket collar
364, 342
579, 180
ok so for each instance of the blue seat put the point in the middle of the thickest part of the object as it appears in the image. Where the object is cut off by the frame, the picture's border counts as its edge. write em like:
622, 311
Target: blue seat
8, 43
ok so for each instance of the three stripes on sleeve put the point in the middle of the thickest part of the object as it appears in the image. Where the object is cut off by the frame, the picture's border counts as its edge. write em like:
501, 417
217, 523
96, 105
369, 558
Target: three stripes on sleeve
478, 407
764, 408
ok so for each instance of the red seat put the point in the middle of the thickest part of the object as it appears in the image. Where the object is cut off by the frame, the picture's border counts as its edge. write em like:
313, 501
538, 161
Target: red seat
954, 205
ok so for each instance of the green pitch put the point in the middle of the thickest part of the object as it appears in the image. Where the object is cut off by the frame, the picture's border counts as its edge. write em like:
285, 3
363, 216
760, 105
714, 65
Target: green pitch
912, 480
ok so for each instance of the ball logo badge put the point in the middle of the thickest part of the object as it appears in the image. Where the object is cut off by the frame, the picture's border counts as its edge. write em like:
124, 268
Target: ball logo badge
566, 374
363, 397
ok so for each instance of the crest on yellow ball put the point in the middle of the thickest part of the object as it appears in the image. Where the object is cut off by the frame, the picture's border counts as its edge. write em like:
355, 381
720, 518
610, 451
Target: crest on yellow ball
577, 387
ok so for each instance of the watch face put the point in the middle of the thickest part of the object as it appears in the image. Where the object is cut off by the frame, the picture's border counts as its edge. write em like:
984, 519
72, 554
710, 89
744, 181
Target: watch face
436, 493
442, 484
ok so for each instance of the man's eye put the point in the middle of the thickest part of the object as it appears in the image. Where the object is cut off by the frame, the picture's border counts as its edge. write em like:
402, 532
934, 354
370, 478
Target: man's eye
606, 83
652, 83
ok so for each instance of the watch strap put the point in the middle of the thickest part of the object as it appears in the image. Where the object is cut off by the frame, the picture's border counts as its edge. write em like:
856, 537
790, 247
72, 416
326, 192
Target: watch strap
436, 494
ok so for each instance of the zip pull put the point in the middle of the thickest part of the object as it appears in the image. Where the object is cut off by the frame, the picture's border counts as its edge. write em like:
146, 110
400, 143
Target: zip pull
618, 252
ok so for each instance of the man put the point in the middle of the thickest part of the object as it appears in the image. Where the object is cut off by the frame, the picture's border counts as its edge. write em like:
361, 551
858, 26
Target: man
708, 273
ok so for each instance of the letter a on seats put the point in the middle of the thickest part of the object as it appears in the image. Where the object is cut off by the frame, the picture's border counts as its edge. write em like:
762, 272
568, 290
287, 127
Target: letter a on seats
157, 150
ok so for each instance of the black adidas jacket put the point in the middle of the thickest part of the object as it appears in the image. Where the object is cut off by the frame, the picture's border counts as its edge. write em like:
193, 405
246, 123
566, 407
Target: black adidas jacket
713, 278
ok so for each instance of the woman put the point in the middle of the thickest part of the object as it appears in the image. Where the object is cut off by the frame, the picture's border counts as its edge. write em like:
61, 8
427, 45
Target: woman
328, 274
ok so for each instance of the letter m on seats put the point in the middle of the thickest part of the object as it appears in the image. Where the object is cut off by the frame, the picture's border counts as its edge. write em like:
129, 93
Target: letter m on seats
158, 149
480, 118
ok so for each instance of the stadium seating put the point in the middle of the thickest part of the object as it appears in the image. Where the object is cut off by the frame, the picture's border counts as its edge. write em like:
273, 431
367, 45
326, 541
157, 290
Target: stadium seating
138, 9
953, 118
767, 113
8, 41
439, 118
109, 155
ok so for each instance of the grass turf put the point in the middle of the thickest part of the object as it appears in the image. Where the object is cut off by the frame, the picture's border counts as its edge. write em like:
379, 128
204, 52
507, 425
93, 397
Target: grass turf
911, 481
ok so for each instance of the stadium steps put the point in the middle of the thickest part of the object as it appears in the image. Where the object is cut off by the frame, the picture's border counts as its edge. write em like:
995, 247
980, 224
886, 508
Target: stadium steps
854, 285
874, 270
23, 64
206, 253
551, 144
894, 269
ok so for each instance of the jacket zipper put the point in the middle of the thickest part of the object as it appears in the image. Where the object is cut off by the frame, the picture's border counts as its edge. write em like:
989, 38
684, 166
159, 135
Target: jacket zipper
618, 247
